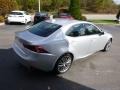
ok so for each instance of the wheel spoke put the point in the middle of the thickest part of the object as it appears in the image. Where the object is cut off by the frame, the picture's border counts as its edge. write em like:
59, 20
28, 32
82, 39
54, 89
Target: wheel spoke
108, 45
68, 62
64, 64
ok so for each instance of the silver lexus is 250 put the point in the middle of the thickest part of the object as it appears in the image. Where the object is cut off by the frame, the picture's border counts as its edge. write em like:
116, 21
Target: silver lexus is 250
53, 45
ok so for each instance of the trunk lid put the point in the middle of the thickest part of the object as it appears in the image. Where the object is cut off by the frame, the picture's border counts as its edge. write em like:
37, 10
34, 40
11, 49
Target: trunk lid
28, 38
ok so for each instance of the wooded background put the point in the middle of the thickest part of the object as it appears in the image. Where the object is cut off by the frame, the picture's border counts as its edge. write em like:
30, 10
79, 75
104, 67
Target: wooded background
90, 6
86, 6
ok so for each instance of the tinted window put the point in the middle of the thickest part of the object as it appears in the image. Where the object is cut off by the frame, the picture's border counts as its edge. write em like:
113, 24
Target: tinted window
41, 14
76, 30
44, 29
90, 29
16, 13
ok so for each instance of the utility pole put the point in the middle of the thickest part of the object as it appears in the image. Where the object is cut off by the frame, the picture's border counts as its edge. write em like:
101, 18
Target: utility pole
39, 4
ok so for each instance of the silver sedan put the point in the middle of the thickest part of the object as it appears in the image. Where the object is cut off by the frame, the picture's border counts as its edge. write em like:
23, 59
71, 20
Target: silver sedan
53, 45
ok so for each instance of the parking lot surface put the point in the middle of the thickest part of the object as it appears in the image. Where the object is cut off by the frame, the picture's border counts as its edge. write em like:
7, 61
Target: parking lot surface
100, 71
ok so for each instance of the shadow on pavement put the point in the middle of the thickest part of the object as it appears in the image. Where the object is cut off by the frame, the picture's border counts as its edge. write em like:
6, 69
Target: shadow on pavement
15, 77
16, 23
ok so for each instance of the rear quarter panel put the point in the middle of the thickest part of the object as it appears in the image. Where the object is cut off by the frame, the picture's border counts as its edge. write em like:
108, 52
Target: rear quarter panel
56, 44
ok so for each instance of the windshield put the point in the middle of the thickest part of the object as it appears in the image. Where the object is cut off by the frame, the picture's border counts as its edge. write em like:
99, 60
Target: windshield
44, 29
16, 13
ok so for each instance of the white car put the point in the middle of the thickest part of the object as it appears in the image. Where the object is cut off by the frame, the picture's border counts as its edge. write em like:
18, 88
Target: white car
54, 45
19, 16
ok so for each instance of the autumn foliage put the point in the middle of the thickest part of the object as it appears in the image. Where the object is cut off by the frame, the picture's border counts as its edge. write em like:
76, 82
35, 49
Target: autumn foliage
7, 5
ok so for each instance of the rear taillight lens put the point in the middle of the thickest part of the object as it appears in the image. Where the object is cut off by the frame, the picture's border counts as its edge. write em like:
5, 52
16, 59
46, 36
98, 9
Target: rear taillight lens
37, 49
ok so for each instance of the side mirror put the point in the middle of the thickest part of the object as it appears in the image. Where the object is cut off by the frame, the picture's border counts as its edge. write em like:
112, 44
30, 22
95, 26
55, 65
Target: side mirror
102, 33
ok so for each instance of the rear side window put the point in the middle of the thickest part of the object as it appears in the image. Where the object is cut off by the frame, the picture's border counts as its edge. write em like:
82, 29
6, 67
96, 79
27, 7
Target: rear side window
44, 29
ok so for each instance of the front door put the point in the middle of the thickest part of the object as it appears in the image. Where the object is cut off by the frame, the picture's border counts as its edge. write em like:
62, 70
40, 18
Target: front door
78, 41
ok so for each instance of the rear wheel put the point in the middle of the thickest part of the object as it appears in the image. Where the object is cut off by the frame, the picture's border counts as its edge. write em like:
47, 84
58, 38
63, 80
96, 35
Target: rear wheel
6, 22
107, 46
63, 64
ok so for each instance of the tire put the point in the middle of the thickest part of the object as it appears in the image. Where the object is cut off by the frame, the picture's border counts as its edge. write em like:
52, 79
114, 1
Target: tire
63, 64
107, 46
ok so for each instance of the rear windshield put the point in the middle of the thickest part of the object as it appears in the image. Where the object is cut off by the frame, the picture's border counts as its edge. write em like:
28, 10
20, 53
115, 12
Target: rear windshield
16, 13
44, 29
41, 14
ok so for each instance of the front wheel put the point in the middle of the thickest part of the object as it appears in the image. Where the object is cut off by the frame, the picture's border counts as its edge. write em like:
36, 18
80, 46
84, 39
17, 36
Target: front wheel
63, 64
107, 46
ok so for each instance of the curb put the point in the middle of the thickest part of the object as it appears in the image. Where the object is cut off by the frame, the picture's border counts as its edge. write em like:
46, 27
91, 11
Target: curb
107, 23
2, 24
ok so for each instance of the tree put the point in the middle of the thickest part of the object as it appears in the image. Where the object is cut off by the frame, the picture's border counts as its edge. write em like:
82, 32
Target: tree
26, 4
74, 9
7, 5
99, 6
104, 6
33, 4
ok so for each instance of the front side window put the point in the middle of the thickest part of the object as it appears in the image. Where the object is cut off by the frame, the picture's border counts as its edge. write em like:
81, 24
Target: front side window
76, 30
91, 29
44, 29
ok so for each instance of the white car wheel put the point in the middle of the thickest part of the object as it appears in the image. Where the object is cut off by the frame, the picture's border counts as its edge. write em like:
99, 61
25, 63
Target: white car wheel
108, 45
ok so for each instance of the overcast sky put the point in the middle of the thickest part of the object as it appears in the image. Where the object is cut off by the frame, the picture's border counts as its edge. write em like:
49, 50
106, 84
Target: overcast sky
117, 1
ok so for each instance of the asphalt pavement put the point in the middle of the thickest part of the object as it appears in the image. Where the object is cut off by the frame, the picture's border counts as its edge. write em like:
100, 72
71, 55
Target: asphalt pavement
100, 71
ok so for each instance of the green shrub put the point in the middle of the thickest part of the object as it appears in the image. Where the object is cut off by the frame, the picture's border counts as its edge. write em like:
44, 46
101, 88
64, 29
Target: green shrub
74, 9
1, 19
84, 18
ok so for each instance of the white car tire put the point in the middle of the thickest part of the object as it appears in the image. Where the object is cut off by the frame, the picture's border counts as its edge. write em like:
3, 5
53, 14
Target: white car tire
107, 46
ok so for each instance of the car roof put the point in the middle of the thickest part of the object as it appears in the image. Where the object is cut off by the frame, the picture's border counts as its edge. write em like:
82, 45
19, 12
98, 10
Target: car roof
62, 21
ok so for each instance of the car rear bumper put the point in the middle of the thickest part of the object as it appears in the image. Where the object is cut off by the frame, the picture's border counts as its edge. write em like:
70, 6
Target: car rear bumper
20, 20
43, 61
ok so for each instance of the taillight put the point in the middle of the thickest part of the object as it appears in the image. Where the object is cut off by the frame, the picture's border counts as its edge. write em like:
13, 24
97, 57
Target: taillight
37, 49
